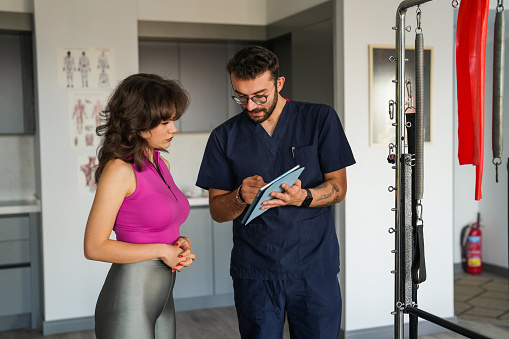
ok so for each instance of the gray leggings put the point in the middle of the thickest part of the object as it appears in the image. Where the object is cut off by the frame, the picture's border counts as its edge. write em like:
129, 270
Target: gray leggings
136, 302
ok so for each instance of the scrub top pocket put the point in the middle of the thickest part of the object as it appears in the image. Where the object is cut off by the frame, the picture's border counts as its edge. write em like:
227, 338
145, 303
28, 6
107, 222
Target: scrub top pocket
308, 157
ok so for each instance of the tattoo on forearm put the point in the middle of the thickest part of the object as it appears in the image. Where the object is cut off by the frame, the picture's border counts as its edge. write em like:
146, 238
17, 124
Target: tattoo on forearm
322, 185
325, 196
335, 187
334, 190
334, 201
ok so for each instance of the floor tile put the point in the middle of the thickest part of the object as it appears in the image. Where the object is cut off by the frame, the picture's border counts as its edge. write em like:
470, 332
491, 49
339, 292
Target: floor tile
496, 304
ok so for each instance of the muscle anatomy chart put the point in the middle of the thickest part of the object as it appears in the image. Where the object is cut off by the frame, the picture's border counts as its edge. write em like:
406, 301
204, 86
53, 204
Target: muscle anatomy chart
84, 116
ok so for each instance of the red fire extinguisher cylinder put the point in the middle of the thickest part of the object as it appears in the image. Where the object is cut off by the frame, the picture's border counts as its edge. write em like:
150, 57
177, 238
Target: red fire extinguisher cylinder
474, 250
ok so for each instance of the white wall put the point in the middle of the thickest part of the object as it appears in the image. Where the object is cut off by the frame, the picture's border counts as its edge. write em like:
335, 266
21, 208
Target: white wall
71, 283
17, 168
185, 155
19, 6
493, 206
240, 12
369, 284
280, 9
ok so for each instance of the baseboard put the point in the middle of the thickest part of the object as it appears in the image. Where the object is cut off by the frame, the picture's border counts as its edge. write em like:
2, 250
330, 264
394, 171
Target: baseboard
14, 322
67, 325
387, 332
502, 272
88, 323
199, 303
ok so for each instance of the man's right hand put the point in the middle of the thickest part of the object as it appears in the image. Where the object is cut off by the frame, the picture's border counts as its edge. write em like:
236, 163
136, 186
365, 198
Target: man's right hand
250, 187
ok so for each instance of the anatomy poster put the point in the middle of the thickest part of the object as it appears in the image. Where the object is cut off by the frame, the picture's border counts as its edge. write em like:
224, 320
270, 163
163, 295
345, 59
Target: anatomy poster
90, 67
84, 116
86, 165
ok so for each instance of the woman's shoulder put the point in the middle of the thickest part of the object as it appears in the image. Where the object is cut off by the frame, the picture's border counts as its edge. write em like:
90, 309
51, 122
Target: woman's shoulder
118, 165
118, 173
119, 168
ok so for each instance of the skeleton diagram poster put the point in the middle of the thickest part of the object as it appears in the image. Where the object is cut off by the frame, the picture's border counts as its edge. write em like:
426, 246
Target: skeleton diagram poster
90, 67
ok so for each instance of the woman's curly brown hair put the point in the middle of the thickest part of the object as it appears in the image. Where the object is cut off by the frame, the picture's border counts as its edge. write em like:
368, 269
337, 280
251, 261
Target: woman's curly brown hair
139, 103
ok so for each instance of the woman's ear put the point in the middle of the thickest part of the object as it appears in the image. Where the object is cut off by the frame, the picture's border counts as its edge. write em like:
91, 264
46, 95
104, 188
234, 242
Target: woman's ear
145, 134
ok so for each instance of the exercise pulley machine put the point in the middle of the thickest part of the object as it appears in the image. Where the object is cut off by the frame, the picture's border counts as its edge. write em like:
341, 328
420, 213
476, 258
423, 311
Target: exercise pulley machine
406, 156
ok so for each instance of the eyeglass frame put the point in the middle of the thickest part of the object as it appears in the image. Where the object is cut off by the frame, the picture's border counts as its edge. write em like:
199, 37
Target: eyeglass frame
237, 98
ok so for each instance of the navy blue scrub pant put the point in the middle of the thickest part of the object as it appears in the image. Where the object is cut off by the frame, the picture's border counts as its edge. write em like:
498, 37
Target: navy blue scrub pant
312, 305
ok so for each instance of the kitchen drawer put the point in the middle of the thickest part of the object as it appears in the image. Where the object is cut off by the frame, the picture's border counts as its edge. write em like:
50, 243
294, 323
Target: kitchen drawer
14, 240
15, 294
14, 252
14, 228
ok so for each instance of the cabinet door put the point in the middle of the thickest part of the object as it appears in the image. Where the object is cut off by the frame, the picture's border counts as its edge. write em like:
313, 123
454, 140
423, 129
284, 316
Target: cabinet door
202, 73
223, 244
14, 240
159, 57
15, 293
15, 275
16, 84
197, 280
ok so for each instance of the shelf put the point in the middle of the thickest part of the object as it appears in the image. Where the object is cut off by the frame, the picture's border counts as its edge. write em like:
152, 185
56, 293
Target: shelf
199, 201
19, 206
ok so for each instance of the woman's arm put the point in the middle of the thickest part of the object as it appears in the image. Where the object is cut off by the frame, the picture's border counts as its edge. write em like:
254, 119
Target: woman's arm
118, 181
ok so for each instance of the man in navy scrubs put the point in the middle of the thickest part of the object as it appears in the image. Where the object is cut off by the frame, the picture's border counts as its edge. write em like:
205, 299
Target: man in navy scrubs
286, 260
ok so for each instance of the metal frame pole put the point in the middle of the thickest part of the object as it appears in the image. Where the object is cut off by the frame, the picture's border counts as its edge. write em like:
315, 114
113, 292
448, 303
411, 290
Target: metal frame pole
404, 201
404, 237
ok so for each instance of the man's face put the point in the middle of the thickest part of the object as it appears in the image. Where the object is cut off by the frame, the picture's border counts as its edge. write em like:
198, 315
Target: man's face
256, 89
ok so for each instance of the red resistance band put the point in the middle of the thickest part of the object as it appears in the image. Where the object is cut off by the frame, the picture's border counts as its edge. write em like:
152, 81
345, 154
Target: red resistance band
470, 63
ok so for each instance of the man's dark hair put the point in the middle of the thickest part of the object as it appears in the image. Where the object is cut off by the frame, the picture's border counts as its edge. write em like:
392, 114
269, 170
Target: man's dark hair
252, 61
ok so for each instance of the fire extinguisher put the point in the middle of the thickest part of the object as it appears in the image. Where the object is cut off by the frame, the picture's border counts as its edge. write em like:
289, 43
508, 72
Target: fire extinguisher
472, 247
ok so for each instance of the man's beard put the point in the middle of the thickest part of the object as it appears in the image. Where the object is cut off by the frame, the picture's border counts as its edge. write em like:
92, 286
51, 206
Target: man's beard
268, 112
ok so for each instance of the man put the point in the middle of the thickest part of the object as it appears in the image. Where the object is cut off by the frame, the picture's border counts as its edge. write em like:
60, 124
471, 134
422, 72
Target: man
287, 259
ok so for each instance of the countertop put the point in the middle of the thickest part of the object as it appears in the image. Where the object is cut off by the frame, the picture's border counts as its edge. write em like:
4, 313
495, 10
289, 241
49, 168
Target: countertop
34, 206
202, 201
20, 206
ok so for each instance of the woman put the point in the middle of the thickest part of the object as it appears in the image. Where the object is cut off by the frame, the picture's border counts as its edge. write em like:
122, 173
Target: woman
137, 198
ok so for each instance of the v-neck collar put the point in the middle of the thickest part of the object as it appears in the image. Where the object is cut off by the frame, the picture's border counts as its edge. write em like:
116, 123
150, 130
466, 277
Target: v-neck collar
278, 132
271, 142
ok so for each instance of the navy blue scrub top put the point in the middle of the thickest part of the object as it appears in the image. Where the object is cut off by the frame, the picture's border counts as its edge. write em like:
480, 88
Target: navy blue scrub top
284, 242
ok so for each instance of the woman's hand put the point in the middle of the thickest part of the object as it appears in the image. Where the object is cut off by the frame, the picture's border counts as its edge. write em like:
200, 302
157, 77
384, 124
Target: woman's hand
172, 255
185, 256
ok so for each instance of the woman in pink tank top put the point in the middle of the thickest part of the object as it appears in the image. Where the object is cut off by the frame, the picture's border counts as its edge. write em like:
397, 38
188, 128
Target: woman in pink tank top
137, 199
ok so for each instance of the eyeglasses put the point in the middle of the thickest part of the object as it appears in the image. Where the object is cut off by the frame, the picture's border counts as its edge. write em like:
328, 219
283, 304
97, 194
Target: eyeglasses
257, 99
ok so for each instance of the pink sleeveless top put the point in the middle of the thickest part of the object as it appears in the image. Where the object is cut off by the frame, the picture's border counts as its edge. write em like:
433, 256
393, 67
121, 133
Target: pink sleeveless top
154, 212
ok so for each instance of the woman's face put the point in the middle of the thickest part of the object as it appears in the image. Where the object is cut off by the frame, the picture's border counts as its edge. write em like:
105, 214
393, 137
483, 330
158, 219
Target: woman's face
160, 137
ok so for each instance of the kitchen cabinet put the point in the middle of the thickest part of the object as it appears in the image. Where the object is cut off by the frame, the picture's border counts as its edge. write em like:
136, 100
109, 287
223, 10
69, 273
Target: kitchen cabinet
207, 282
16, 83
160, 57
223, 244
19, 271
203, 75
200, 67
197, 280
